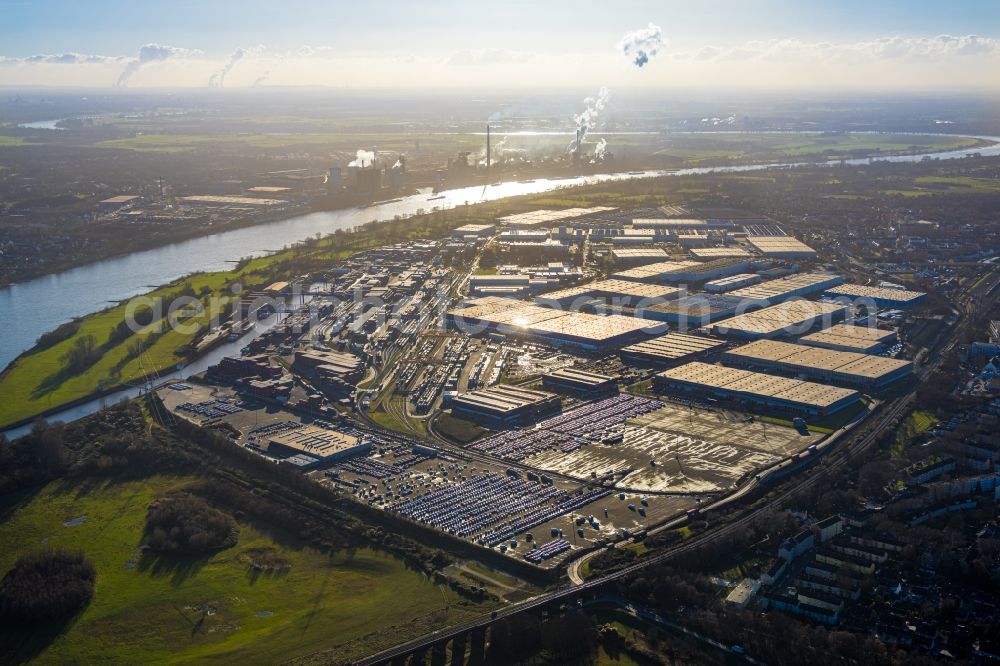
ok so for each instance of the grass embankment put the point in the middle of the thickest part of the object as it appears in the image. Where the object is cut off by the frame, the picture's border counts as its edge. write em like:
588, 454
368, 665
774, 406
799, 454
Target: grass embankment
823, 425
916, 423
148, 608
390, 412
458, 430
39, 380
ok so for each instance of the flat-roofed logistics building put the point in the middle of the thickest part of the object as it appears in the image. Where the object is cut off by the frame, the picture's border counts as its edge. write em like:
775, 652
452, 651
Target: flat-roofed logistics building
788, 318
841, 367
669, 349
225, 201
319, 443
882, 297
545, 216
848, 337
630, 236
781, 247
484, 285
537, 249
718, 252
798, 284
622, 291
579, 382
623, 256
553, 326
505, 405
732, 282
686, 271
779, 393
330, 364
654, 272
595, 331
533, 235
473, 231
672, 223
691, 312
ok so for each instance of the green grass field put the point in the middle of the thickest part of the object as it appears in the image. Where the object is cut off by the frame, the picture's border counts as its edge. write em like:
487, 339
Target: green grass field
146, 608
32, 384
693, 150
916, 422
155, 141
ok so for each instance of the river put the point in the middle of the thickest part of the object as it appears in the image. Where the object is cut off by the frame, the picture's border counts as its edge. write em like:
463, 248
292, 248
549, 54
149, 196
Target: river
31, 308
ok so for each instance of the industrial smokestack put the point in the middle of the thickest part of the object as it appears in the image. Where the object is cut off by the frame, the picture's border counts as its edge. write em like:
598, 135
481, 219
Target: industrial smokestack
487, 148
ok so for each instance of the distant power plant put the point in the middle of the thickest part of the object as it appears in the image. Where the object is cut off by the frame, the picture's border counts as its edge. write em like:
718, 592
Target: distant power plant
366, 174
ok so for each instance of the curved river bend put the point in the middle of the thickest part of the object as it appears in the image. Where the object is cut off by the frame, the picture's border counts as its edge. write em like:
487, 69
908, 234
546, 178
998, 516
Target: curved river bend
32, 308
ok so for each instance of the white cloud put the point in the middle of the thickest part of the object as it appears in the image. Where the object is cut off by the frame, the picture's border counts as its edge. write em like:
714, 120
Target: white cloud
61, 59
880, 49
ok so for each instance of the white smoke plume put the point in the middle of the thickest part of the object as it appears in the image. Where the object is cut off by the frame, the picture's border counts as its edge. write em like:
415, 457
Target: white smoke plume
600, 150
586, 120
362, 158
501, 153
499, 147
642, 44
218, 79
259, 81
147, 53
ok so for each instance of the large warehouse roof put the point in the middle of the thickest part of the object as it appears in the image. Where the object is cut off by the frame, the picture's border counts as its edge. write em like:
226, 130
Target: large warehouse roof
799, 284
505, 404
502, 399
670, 347
545, 216
639, 255
558, 326
717, 252
576, 378
829, 364
314, 441
899, 297
785, 318
612, 288
653, 272
780, 246
225, 200
590, 327
851, 338
732, 282
692, 311
757, 386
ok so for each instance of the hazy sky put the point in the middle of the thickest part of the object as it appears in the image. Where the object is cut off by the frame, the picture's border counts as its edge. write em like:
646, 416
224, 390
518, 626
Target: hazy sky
775, 43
